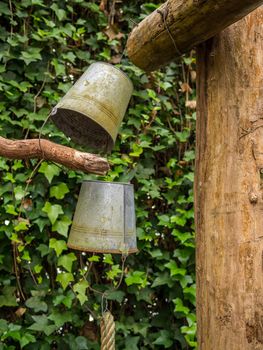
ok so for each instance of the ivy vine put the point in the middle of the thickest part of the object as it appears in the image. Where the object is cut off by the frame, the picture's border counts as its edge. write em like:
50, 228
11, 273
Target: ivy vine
50, 296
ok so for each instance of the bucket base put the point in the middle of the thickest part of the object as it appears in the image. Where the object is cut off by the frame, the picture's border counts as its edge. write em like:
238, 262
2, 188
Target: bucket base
82, 130
104, 251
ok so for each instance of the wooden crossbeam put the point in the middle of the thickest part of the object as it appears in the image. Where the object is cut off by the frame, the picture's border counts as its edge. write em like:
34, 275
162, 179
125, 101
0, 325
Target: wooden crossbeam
179, 25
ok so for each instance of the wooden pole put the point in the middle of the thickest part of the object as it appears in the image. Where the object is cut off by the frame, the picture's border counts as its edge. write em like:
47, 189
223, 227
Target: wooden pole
44, 149
179, 25
229, 188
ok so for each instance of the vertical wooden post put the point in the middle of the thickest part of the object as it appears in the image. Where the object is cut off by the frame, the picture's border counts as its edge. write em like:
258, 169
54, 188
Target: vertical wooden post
229, 188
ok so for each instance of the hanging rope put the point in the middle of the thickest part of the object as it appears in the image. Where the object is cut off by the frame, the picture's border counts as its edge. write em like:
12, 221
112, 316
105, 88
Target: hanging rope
40, 133
107, 324
164, 15
107, 331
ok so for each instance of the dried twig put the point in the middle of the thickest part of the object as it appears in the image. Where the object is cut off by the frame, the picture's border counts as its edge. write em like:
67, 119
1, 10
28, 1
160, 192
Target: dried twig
69, 157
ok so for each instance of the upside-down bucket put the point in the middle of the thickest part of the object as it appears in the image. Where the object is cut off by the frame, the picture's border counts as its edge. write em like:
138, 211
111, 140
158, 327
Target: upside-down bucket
104, 220
92, 110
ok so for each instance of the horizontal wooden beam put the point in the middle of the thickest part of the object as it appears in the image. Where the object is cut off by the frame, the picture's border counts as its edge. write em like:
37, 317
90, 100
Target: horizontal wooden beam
44, 149
179, 25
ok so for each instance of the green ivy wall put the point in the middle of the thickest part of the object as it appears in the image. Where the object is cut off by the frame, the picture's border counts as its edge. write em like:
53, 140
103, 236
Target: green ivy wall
50, 296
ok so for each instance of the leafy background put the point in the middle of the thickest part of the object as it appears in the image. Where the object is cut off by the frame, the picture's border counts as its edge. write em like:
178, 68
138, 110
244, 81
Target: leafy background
50, 296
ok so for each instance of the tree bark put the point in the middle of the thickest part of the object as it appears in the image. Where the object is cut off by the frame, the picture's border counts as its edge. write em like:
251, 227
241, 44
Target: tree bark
229, 188
44, 149
179, 25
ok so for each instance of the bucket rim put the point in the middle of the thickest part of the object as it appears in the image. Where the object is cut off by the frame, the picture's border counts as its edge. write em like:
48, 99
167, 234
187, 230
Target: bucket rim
118, 69
109, 182
55, 117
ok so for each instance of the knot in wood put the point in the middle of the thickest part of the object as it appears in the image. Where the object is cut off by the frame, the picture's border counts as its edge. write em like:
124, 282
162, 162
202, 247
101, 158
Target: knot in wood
253, 197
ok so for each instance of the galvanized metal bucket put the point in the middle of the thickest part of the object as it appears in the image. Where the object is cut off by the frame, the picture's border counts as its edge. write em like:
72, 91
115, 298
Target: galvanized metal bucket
92, 110
104, 220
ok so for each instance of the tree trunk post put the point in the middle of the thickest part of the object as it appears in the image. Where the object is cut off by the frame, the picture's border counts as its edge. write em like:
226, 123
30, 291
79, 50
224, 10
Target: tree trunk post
229, 188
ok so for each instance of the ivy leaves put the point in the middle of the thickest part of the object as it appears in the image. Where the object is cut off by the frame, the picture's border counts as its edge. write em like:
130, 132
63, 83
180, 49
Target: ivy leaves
66, 261
80, 289
64, 278
49, 170
53, 211
31, 55
136, 277
59, 191
7, 297
44, 49
15, 332
57, 245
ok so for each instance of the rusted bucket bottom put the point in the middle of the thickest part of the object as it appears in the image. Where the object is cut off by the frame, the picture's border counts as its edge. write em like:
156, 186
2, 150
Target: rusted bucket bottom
82, 130
104, 251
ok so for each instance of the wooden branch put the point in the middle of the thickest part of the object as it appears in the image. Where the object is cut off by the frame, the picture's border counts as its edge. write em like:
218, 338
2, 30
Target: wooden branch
44, 149
179, 25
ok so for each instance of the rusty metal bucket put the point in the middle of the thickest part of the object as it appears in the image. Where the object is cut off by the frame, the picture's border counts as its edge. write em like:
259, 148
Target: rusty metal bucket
104, 220
92, 110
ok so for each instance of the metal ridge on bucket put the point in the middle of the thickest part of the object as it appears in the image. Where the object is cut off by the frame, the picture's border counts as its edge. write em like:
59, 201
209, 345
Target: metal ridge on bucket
106, 251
